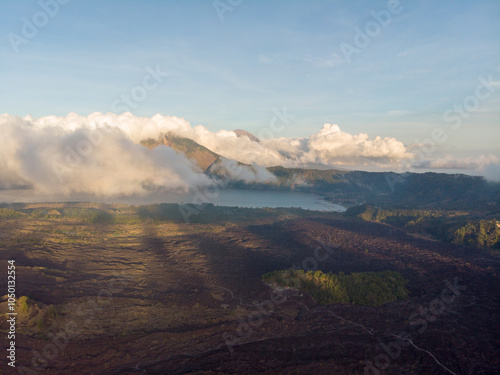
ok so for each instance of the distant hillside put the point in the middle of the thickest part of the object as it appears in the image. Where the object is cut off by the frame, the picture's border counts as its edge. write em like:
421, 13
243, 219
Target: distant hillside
389, 189
332, 179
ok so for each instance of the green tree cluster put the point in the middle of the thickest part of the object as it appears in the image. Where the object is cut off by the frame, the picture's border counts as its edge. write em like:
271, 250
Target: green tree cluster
447, 226
90, 215
399, 217
363, 288
9, 213
482, 233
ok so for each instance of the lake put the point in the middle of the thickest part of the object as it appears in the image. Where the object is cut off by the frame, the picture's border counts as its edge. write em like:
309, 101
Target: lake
265, 198
219, 197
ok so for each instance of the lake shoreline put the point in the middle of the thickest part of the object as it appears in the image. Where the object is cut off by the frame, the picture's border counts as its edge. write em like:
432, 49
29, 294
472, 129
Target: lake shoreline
231, 197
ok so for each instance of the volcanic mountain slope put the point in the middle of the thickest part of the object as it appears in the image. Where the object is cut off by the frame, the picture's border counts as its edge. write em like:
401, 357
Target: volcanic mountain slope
244, 133
201, 155
223, 169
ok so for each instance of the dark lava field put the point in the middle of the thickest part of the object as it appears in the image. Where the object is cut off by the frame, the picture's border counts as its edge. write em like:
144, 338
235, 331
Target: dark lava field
135, 295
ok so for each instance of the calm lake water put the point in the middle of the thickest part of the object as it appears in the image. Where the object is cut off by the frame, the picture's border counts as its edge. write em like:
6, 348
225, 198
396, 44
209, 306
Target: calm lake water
271, 198
221, 197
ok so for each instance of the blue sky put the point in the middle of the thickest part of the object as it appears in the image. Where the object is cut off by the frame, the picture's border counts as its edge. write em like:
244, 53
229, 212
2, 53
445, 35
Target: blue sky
231, 73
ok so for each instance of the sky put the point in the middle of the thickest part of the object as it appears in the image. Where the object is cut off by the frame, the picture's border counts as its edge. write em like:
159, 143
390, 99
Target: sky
424, 72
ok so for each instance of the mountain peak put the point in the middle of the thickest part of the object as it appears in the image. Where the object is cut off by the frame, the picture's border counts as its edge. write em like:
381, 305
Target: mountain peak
242, 133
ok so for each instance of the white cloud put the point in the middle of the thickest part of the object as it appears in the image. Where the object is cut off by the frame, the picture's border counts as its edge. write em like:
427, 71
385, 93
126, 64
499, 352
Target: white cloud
246, 173
44, 153
329, 146
31, 146
76, 155
333, 146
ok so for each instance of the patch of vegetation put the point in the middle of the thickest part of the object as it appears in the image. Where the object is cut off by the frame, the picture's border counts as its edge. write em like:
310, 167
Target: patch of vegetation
40, 324
31, 238
130, 219
24, 304
163, 212
52, 312
363, 288
88, 215
448, 226
482, 233
9, 213
100, 217
399, 217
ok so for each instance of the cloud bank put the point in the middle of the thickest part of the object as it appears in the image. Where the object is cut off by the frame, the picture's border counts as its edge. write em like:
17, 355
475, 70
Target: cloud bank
329, 146
74, 155
100, 154
232, 170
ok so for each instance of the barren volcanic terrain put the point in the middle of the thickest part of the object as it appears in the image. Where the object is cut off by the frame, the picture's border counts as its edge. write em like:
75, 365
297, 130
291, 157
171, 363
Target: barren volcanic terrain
128, 293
